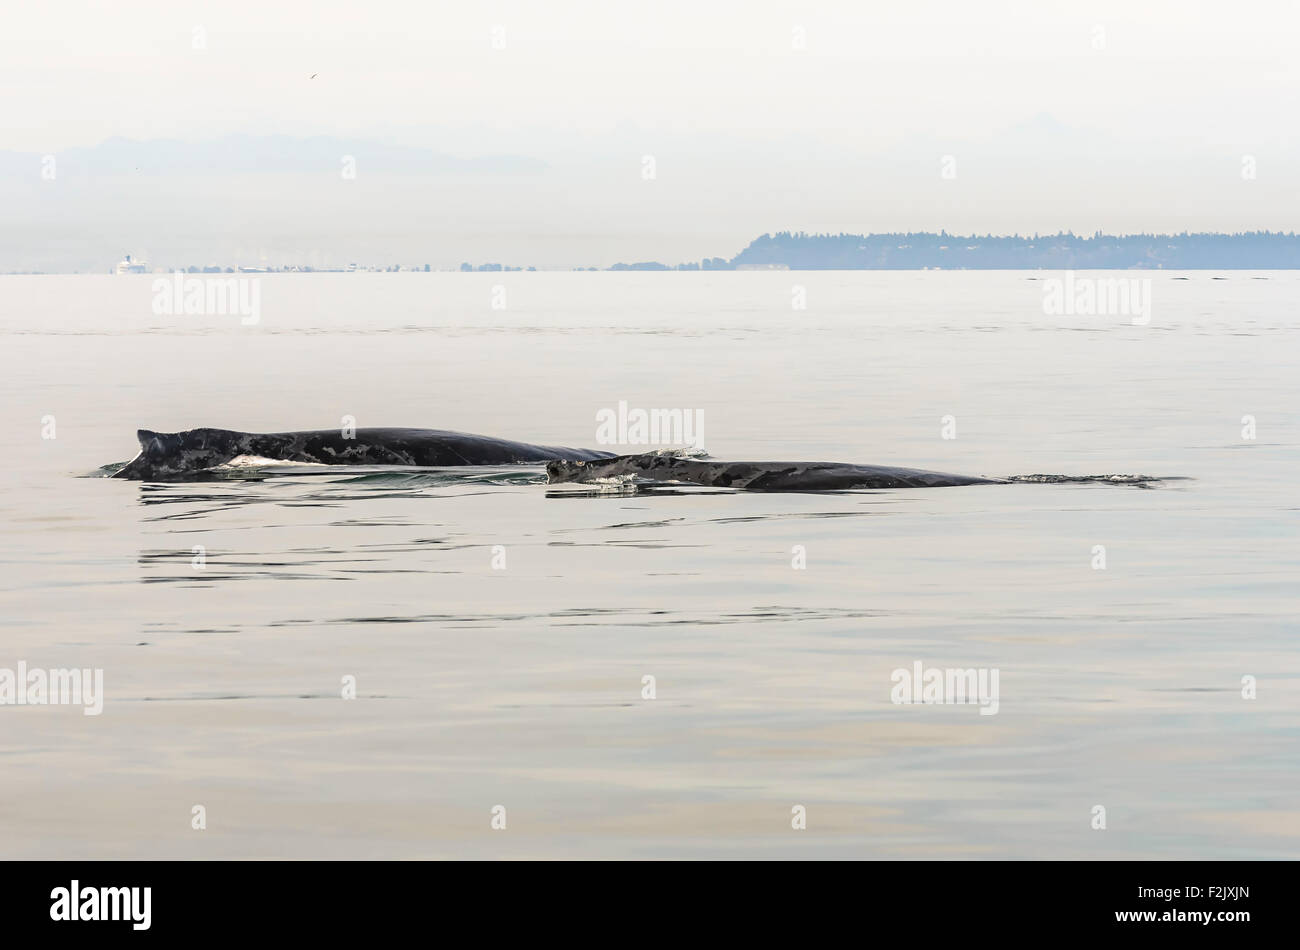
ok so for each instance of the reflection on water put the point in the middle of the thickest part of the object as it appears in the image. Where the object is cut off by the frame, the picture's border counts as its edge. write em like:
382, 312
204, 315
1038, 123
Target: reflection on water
500, 639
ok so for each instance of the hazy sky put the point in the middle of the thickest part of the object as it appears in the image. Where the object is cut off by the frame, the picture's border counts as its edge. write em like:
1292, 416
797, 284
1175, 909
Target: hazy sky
760, 116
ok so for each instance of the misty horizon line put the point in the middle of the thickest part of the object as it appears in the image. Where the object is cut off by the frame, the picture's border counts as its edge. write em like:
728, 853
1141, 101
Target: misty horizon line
920, 250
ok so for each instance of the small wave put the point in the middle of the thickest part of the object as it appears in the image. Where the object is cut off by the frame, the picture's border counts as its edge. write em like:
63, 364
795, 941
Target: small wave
614, 481
1105, 479
685, 452
675, 452
260, 461
436, 477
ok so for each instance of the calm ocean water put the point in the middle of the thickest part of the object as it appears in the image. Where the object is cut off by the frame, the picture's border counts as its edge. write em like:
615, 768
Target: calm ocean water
523, 687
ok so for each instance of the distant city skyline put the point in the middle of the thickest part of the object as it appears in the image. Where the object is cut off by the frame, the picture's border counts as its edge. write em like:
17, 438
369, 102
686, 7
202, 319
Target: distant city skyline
1259, 250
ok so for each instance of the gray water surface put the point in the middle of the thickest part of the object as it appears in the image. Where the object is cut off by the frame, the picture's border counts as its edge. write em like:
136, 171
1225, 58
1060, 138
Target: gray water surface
522, 686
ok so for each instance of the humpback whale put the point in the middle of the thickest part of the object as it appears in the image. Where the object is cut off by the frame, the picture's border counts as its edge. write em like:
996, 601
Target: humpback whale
793, 476
176, 454
756, 476
179, 455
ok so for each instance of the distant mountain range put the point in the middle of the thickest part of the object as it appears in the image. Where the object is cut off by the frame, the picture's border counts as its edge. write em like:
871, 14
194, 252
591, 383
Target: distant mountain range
1247, 250
260, 154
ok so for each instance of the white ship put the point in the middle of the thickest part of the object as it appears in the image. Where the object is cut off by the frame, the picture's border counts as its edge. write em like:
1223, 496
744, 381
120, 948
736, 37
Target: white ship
128, 266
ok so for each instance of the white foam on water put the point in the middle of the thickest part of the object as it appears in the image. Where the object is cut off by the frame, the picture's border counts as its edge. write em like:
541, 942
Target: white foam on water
259, 461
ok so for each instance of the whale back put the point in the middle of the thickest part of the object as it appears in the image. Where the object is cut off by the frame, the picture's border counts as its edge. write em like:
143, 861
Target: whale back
177, 454
756, 476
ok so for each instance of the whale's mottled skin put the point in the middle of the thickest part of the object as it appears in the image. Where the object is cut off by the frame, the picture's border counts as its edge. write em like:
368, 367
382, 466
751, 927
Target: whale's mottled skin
756, 476
174, 455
